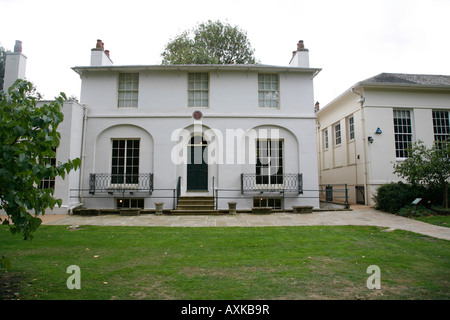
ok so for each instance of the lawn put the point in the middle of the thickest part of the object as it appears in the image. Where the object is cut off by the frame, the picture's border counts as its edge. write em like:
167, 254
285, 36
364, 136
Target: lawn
276, 263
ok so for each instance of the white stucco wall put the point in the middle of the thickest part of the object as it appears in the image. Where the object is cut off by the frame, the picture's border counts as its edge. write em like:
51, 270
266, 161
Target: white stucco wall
162, 109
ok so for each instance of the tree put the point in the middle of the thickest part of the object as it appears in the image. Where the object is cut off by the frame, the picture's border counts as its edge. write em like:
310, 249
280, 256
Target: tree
210, 43
28, 139
2, 65
427, 166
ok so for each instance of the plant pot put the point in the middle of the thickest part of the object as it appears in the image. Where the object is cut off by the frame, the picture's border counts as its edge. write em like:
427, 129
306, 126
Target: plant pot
232, 207
159, 208
302, 209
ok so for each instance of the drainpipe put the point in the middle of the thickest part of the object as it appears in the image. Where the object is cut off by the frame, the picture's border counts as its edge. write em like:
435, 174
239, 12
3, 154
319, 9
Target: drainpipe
363, 124
83, 142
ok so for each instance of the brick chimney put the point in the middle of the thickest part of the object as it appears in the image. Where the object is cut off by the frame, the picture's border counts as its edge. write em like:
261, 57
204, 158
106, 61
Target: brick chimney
100, 56
15, 65
300, 58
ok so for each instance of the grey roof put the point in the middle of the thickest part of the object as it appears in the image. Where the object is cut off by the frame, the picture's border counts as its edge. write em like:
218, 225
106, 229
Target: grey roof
415, 80
198, 67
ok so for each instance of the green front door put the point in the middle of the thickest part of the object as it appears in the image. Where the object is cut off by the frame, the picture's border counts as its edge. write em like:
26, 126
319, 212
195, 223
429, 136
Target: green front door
197, 168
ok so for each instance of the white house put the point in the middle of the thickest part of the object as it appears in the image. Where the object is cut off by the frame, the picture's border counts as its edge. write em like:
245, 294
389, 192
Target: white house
162, 133
364, 131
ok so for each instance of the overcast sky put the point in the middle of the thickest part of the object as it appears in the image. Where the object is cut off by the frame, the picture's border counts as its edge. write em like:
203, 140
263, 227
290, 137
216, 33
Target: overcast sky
351, 40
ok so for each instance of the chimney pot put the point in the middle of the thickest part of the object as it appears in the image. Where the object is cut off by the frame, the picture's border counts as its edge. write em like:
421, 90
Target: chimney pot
107, 53
300, 46
99, 44
18, 46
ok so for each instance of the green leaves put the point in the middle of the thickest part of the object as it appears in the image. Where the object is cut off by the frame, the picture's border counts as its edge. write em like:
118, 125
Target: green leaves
28, 140
210, 43
427, 166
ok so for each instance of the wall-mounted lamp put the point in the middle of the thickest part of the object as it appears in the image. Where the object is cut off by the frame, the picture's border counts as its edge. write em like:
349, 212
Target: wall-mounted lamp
370, 139
378, 131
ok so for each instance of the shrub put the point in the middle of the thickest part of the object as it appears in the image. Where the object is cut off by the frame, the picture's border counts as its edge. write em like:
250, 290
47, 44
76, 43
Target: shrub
411, 210
393, 196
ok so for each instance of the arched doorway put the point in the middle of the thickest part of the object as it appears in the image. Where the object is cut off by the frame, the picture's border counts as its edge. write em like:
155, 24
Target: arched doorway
197, 167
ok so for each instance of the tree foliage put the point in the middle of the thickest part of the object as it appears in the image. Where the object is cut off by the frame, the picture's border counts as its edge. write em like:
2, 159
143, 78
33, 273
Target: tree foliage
210, 43
28, 139
2, 65
427, 166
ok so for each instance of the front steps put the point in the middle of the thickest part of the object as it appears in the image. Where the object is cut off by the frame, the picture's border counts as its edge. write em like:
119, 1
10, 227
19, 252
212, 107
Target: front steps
195, 206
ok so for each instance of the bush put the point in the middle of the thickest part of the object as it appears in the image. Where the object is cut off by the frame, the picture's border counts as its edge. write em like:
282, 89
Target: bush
411, 210
394, 196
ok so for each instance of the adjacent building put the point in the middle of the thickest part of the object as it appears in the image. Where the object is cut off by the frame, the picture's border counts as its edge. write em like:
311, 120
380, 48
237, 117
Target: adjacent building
368, 128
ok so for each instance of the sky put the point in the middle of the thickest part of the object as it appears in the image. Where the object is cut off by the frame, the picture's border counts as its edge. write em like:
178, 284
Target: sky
350, 40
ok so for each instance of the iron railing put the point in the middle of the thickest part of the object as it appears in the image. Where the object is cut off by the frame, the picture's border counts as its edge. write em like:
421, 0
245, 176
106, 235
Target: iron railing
290, 182
334, 193
107, 182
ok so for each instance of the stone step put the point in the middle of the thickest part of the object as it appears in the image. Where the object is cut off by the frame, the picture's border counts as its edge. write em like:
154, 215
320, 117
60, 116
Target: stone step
195, 206
194, 212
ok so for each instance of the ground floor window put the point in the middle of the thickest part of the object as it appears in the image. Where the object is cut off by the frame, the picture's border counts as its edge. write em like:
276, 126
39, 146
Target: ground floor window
269, 162
125, 161
130, 203
403, 132
441, 125
49, 182
261, 202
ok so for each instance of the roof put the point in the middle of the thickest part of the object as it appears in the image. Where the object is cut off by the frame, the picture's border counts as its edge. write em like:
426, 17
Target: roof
398, 80
409, 80
198, 67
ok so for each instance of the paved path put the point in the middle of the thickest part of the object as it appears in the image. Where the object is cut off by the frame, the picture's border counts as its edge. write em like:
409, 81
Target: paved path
359, 216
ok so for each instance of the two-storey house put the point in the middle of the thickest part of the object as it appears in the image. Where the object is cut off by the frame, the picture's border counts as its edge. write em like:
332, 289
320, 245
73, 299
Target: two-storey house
155, 133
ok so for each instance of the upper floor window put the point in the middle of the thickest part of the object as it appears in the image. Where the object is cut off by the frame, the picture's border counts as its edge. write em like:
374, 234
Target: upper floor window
268, 91
403, 132
441, 125
198, 90
351, 128
128, 90
337, 134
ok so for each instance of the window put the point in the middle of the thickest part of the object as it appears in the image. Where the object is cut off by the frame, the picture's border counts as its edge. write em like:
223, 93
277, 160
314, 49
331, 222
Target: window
403, 132
125, 162
259, 202
351, 128
337, 134
268, 91
128, 90
325, 139
269, 162
49, 182
198, 89
130, 203
441, 126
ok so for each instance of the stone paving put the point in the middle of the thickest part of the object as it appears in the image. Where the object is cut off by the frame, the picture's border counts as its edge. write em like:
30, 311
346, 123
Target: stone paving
358, 216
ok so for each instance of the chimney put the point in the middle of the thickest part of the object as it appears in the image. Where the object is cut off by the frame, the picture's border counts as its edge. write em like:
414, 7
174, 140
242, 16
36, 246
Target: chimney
15, 65
100, 56
300, 58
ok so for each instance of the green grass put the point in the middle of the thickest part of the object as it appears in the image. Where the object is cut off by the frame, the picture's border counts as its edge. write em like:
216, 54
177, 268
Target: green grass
224, 263
443, 221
